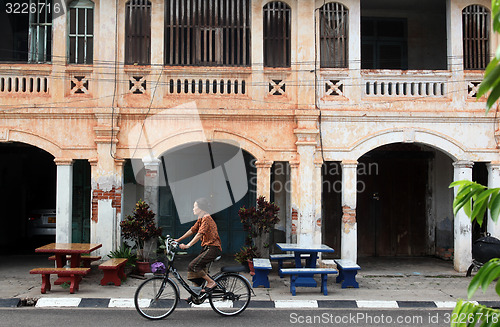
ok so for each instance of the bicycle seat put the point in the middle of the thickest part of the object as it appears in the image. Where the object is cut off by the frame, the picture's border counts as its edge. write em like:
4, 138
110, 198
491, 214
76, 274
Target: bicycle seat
234, 269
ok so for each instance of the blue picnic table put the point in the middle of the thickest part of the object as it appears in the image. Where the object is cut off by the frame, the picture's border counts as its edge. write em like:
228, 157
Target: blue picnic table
312, 250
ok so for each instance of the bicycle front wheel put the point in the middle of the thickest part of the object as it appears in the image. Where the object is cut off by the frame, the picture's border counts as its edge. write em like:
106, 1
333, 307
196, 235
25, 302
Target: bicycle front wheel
232, 296
156, 298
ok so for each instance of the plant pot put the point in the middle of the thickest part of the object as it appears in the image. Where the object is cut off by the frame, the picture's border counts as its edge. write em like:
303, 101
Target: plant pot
143, 267
250, 266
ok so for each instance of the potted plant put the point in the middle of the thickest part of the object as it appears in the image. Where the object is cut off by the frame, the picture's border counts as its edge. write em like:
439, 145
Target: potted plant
258, 222
245, 257
141, 229
126, 253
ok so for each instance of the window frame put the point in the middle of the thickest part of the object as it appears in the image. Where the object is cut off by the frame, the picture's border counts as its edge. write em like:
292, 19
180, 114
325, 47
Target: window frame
38, 30
341, 39
276, 14
84, 5
475, 37
135, 54
221, 28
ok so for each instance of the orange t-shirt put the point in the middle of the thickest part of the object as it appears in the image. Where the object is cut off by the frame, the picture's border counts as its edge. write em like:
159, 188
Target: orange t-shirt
207, 227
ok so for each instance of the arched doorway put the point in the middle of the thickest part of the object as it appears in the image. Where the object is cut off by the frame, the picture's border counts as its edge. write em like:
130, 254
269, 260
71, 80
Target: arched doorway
202, 157
28, 191
404, 205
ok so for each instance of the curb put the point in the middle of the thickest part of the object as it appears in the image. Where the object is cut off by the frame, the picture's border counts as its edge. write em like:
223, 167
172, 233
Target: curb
278, 304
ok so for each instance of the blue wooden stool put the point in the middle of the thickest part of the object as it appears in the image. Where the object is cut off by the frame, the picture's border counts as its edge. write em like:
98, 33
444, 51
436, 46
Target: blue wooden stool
262, 268
347, 273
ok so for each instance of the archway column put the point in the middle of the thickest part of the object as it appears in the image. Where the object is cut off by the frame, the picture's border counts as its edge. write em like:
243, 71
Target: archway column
152, 184
462, 224
264, 178
349, 242
64, 200
493, 182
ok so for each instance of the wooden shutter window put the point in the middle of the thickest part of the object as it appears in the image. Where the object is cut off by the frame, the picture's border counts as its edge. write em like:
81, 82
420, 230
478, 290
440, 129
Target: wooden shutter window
277, 34
138, 32
333, 19
207, 32
476, 37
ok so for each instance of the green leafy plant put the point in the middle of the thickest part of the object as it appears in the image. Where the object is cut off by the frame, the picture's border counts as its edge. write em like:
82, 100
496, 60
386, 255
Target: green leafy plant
124, 252
141, 228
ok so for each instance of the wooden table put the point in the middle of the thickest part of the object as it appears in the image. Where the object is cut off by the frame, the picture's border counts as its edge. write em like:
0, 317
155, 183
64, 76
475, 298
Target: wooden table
61, 250
313, 251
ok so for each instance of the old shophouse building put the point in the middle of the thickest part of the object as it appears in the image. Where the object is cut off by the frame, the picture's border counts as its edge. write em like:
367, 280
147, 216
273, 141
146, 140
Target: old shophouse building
353, 116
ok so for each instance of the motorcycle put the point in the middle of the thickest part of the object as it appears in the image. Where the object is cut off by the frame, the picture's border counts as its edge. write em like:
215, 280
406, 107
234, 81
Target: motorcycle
483, 250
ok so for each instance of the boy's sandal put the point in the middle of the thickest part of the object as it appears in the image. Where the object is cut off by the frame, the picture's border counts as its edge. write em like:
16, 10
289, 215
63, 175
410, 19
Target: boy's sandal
208, 289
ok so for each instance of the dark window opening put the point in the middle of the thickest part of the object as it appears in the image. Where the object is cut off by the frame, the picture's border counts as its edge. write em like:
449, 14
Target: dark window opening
476, 37
384, 43
277, 34
138, 32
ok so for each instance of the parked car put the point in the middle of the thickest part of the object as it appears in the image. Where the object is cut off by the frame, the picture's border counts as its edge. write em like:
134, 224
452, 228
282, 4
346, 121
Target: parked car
42, 223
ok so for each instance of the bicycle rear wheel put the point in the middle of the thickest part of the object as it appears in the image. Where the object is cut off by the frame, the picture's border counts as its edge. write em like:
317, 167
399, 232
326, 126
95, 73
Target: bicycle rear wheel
234, 296
156, 298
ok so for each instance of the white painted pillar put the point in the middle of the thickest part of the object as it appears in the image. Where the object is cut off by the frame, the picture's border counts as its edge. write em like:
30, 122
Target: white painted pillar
264, 178
462, 225
152, 184
493, 182
349, 241
458, 86
317, 236
294, 202
306, 198
64, 200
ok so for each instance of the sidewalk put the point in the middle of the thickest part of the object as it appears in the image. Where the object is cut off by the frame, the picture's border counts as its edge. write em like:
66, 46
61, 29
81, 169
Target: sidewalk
383, 282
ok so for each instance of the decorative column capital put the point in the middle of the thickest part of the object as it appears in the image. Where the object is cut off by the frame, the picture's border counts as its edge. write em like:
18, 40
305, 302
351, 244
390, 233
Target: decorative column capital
263, 164
63, 161
463, 164
151, 163
493, 165
294, 164
349, 164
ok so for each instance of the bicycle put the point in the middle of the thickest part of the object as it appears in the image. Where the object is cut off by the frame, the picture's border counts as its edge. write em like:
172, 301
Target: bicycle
158, 296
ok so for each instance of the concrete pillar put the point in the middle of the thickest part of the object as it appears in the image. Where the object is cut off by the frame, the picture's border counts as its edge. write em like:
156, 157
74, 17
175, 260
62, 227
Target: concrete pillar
458, 86
306, 198
64, 200
317, 235
264, 178
353, 92
152, 183
349, 243
493, 182
462, 225
294, 202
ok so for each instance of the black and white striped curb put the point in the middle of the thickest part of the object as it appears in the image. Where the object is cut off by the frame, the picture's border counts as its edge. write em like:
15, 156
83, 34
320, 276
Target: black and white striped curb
280, 304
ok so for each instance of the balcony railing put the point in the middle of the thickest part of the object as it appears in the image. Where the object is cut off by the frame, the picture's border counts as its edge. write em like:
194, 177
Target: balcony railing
27, 84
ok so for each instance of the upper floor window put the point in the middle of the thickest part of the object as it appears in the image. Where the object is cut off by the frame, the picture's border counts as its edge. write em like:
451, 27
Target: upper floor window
207, 32
81, 32
40, 32
138, 32
333, 19
277, 34
476, 36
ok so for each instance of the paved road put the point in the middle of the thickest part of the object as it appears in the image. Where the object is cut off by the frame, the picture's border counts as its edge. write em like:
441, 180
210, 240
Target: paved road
251, 317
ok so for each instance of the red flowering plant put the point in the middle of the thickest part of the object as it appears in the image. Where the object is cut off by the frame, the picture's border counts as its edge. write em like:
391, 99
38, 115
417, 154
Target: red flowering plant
141, 229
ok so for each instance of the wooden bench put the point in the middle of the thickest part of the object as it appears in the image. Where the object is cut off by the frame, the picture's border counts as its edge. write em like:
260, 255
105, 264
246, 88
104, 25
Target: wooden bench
85, 259
282, 257
347, 273
295, 272
262, 268
113, 270
75, 275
